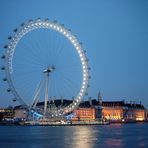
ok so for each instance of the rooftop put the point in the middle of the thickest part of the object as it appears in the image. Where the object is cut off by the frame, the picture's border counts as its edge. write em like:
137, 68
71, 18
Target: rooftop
93, 102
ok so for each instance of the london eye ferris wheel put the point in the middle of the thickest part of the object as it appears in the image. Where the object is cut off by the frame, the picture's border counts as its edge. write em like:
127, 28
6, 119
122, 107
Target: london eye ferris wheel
44, 61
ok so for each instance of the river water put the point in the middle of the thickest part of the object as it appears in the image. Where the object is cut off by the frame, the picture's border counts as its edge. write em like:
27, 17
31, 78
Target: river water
102, 136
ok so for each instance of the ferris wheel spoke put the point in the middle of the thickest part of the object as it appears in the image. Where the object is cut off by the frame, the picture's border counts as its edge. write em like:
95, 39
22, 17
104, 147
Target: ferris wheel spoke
29, 55
71, 85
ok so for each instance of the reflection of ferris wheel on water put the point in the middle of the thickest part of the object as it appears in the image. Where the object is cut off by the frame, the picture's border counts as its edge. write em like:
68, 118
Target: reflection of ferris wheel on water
43, 62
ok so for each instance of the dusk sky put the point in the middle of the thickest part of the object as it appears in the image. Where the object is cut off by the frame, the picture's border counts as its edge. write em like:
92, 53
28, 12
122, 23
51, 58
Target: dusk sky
114, 34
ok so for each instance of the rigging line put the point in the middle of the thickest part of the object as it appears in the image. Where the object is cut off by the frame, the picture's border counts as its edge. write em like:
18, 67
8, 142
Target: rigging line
44, 46
24, 80
29, 74
35, 38
70, 81
65, 46
40, 53
36, 44
49, 46
23, 84
56, 89
22, 61
60, 53
61, 87
64, 56
58, 44
55, 41
68, 74
67, 84
50, 87
56, 48
30, 64
48, 56
74, 77
75, 60
29, 53
72, 73
68, 63
25, 92
71, 84
69, 89
52, 39
29, 39
27, 70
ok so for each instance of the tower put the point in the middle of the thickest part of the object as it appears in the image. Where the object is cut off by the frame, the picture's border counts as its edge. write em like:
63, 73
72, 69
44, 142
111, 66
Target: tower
90, 101
99, 108
99, 99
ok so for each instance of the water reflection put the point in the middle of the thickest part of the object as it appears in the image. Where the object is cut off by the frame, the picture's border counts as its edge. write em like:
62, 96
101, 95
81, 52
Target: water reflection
83, 136
114, 138
141, 141
110, 142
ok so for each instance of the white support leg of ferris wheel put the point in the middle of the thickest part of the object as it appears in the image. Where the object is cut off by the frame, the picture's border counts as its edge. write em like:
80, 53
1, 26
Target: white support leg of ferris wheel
47, 71
37, 94
46, 94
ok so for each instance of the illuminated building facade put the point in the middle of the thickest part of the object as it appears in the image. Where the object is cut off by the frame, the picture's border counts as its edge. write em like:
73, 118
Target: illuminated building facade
6, 113
136, 112
94, 110
84, 114
20, 113
112, 111
118, 110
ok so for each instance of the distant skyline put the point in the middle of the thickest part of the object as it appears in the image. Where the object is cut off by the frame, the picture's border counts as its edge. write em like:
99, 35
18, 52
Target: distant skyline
114, 35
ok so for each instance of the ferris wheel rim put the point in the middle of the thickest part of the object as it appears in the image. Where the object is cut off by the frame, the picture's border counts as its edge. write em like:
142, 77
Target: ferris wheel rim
36, 24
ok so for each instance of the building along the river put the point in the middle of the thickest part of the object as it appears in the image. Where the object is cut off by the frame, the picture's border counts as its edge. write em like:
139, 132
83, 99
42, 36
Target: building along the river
92, 110
6, 113
113, 111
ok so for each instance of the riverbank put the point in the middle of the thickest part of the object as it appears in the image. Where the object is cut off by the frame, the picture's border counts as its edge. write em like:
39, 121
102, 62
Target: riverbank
78, 123
62, 123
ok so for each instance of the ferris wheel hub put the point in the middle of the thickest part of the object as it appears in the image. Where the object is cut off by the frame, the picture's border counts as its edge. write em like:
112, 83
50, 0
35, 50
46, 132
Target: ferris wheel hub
49, 69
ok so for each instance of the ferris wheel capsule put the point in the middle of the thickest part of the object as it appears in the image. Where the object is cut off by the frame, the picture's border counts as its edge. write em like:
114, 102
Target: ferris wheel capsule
46, 19
4, 79
3, 68
14, 99
15, 30
9, 89
30, 20
10, 37
6, 46
3, 56
22, 24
